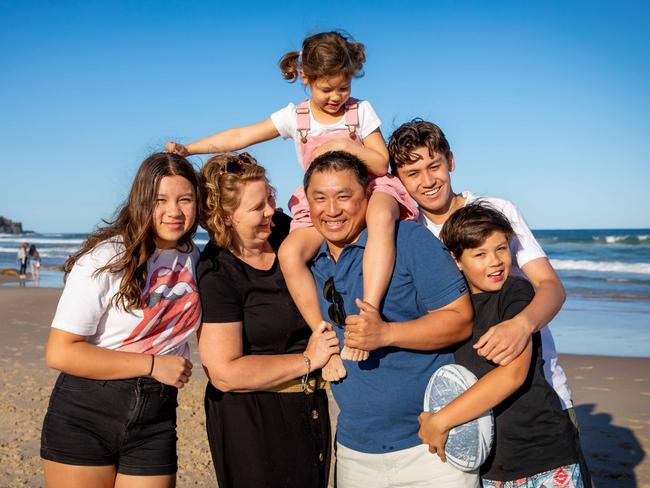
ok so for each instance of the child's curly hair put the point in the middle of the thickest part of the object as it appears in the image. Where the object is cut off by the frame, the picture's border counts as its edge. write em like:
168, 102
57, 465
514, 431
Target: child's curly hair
325, 54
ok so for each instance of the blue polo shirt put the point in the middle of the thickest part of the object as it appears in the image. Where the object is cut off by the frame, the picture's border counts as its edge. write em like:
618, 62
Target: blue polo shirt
381, 398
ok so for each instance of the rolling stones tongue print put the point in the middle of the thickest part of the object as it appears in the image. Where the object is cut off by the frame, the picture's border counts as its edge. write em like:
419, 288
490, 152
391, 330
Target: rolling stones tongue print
171, 307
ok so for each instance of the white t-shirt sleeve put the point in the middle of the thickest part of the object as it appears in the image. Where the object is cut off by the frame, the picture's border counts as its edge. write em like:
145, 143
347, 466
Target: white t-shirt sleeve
368, 119
86, 296
526, 247
285, 121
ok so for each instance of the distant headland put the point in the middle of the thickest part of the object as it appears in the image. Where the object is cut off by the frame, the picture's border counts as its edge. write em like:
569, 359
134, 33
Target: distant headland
8, 226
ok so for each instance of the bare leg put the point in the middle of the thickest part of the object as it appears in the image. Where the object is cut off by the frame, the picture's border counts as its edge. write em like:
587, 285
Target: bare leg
162, 481
296, 250
294, 253
58, 475
379, 256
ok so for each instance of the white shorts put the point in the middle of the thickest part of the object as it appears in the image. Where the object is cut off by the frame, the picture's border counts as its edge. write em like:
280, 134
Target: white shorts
414, 467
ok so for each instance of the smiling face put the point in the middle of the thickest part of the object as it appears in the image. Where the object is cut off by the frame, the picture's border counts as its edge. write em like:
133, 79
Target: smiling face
337, 203
251, 221
428, 180
175, 211
486, 267
329, 94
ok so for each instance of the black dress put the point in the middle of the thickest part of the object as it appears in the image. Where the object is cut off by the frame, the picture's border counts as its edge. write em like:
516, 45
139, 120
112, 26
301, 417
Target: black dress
261, 439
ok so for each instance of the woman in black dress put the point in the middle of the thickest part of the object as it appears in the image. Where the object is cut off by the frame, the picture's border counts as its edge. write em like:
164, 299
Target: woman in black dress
266, 409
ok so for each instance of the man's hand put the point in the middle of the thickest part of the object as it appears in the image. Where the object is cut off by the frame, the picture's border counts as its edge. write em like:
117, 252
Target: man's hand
367, 330
504, 342
433, 434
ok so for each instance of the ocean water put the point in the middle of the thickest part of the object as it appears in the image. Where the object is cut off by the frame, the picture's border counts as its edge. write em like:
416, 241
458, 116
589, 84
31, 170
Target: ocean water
606, 273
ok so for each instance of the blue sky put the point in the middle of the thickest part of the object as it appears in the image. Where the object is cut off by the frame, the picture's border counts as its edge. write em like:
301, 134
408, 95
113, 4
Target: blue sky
544, 102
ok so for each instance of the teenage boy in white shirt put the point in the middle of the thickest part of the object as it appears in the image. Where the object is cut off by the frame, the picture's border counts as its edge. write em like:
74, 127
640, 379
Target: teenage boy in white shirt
421, 157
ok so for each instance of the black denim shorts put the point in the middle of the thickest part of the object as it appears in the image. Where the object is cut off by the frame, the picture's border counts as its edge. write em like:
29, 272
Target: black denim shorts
127, 423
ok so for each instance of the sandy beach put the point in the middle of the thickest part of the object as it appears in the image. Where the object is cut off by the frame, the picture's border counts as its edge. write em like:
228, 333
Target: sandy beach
612, 398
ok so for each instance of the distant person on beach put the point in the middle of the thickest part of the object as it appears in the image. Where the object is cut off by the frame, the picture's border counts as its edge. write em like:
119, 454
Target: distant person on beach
535, 443
35, 262
22, 257
422, 158
426, 309
266, 409
329, 120
119, 338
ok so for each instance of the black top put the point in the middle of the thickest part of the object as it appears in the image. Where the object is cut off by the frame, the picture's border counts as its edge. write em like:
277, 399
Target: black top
532, 432
233, 291
281, 226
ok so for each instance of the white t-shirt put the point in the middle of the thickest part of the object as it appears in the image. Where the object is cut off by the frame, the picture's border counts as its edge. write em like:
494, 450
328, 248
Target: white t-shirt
524, 248
286, 123
171, 306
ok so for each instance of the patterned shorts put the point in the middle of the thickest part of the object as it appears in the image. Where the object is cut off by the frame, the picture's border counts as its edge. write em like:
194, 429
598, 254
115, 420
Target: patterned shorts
562, 477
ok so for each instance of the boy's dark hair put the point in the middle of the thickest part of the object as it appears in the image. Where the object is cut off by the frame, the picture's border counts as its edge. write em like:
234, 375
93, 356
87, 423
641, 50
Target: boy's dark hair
338, 161
411, 136
469, 227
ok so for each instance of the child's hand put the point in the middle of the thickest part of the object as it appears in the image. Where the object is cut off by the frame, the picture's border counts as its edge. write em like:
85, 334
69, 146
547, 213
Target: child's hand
334, 369
171, 370
180, 149
335, 145
324, 148
434, 434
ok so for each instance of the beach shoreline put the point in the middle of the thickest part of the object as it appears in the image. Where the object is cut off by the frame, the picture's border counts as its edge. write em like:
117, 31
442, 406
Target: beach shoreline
611, 393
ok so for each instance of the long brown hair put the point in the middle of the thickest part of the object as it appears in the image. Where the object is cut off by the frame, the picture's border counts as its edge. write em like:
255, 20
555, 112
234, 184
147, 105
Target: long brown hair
132, 227
325, 54
222, 179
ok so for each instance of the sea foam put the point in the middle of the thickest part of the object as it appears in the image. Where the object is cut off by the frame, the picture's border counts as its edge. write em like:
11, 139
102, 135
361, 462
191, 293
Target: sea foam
611, 266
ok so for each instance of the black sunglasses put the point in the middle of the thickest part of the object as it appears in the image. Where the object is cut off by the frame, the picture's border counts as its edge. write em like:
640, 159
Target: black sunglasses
336, 310
237, 163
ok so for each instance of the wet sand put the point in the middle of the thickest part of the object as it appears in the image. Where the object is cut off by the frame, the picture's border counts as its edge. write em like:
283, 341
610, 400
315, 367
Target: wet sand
612, 403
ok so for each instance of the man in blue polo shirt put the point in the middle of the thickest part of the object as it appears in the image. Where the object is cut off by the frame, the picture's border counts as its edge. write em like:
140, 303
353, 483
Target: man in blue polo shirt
426, 309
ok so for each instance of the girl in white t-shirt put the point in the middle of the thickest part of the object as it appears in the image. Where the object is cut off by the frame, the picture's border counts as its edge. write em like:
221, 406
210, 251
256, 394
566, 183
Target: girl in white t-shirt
119, 338
329, 120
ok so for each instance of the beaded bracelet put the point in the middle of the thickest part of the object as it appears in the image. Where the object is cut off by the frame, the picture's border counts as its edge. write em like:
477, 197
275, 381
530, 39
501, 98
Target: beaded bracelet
307, 361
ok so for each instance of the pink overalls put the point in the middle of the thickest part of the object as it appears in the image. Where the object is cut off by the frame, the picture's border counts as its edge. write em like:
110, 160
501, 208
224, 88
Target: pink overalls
387, 183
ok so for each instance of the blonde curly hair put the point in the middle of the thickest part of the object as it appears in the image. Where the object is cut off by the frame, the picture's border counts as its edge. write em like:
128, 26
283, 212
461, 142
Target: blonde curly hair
222, 179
